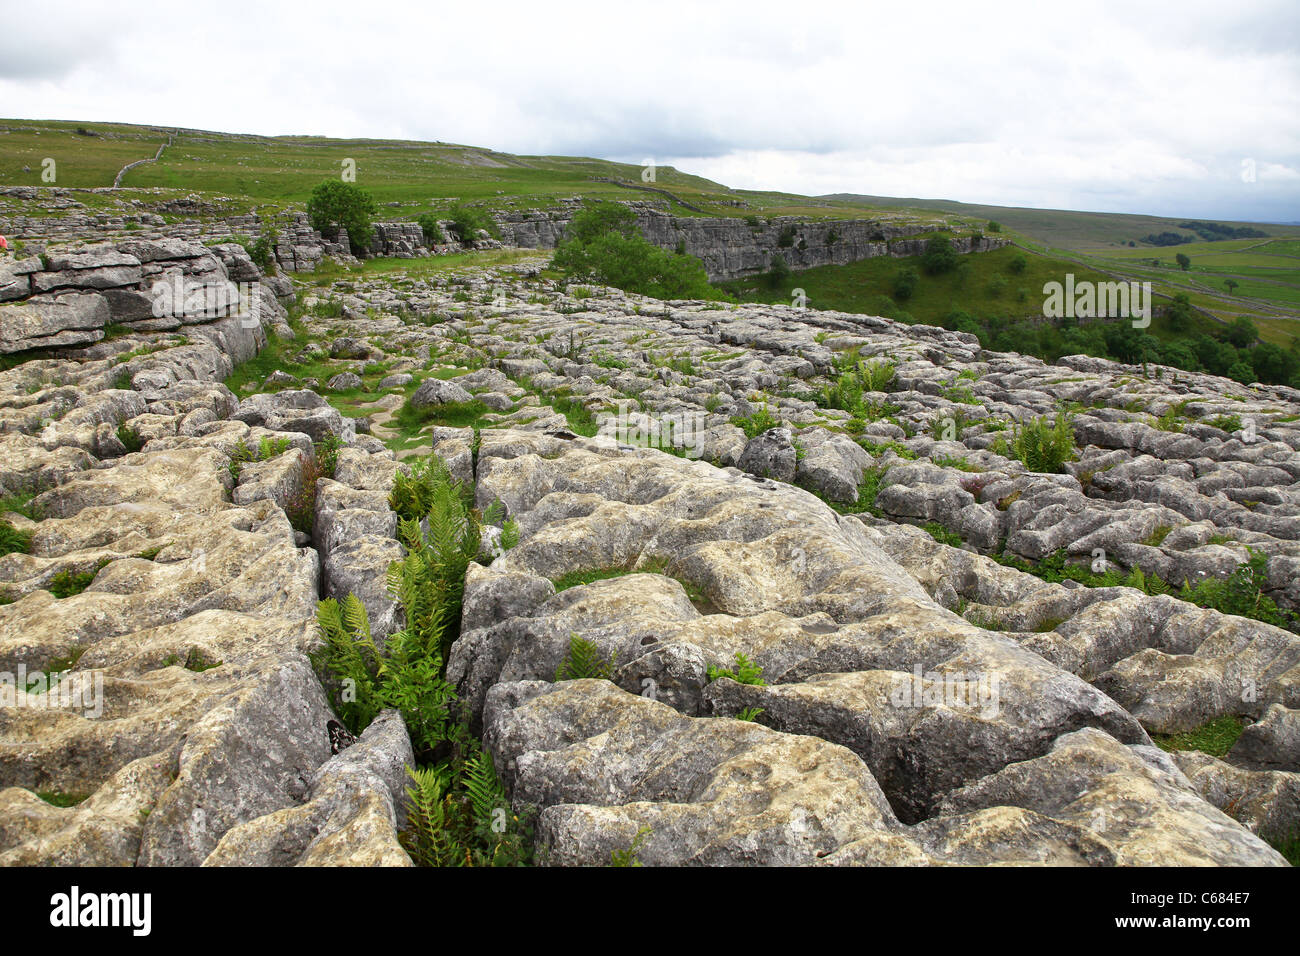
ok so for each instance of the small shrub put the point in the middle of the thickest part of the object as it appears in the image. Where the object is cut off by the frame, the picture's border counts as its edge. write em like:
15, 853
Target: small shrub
1041, 445
130, 438
432, 229
756, 422
67, 583
743, 671
628, 857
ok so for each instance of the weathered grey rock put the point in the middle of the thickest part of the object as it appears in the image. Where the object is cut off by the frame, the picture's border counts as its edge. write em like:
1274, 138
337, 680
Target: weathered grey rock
250, 756
771, 455
433, 392
350, 818
1091, 779
52, 321
1271, 743
295, 411
343, 381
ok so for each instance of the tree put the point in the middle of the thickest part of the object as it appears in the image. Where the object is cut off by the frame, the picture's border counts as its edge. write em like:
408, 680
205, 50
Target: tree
1272, 364
1184, 261
778, 271
336, 205
597, 218
939, 256
1178, 315
633, 264
433, 234
1018, 264
1241, 332
905, 284
994, 226
467, 222
1241, 372
1231, 284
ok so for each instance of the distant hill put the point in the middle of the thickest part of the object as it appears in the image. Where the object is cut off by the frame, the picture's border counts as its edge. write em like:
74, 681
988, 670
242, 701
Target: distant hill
1059, 228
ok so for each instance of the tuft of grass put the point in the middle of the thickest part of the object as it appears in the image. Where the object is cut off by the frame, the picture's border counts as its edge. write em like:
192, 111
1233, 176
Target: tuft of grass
59, 798
67, 583
942, 534
195, 661
14, 541
1225, 423
757, 422
130, 438
1157, 536
1214, 738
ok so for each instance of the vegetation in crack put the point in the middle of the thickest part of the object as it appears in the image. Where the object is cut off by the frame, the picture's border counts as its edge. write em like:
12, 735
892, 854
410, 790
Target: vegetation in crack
459, 813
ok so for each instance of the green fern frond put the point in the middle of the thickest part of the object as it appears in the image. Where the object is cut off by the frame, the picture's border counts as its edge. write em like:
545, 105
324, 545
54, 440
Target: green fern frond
745, 672
486, 794
583, 661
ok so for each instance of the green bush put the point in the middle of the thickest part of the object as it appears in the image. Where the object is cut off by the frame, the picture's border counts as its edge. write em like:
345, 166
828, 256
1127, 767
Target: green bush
743, 671
262, 250
335, 204
757, 422
635, 265
778, 272
853, 381
905, 284
939, 256
467, 221
459, 814
1043, 446
432, 229
598, 218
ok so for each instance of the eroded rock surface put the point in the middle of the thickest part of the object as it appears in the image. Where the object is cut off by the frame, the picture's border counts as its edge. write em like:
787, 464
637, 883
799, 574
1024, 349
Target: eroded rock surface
920, 704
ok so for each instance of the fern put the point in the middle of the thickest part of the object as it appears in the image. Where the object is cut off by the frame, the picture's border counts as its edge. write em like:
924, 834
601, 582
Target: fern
745, 672
459, 812
630, 856
351, 655
583, 661
427, 838
486, 795
749, 714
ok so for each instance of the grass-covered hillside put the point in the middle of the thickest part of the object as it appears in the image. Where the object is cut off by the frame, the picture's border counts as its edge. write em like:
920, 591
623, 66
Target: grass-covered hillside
244, 171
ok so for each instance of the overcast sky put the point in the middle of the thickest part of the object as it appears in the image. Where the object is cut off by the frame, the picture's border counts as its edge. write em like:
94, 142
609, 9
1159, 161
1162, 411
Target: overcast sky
1110, 106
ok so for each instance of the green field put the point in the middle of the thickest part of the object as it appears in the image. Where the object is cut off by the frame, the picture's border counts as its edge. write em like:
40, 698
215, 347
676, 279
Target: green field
1063, 228
984, 285
241, 172
82, 159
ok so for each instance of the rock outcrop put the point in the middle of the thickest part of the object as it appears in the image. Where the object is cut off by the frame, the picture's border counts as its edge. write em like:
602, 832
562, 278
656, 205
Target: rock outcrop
814, 648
